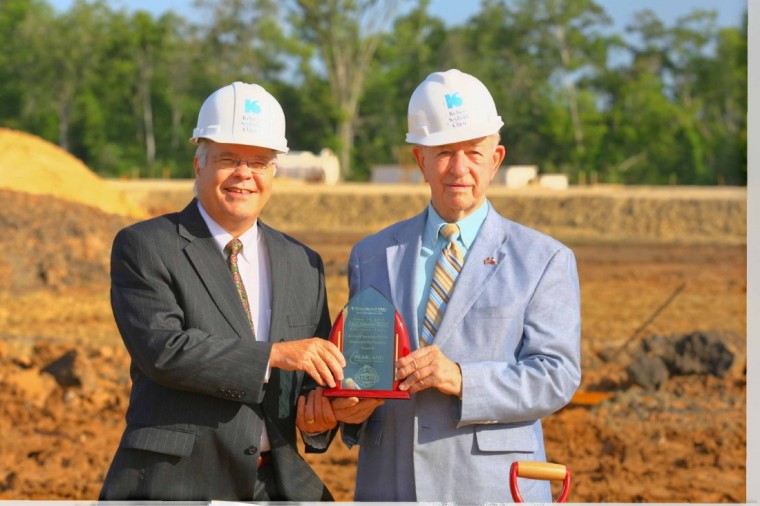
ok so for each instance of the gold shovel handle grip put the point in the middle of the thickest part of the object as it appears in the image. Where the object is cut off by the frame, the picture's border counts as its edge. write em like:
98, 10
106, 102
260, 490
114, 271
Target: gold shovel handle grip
542, 471
539, 471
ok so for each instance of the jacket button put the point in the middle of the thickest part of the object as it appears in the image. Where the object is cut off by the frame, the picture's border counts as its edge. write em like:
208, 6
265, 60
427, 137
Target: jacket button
251, 450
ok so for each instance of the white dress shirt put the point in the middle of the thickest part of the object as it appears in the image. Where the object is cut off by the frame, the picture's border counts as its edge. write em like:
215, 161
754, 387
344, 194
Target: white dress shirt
255, 271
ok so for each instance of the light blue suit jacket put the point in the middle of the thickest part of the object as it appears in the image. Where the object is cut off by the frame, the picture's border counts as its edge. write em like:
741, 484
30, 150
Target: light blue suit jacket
513, 326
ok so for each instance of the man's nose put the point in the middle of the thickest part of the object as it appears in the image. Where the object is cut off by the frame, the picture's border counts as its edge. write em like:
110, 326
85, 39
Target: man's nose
458, 163
243, 170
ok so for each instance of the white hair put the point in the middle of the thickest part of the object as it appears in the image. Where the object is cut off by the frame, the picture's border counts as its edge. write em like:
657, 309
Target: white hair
202, 152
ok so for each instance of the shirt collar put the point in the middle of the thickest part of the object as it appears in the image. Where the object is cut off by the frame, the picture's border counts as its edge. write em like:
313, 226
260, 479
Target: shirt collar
468, 226
249, 238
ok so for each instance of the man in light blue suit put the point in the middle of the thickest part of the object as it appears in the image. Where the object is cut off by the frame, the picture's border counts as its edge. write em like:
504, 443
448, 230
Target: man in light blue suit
506, 351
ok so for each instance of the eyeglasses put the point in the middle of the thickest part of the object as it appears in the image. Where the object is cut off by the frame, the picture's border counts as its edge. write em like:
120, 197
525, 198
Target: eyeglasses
257, 164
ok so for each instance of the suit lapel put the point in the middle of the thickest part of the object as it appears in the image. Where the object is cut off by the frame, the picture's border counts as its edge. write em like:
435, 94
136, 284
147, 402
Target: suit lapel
402, 259
277, 405
281, 277
210, 266
476, 273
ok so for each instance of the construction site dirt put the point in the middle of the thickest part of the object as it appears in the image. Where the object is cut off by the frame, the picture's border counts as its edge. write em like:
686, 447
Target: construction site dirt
659, 417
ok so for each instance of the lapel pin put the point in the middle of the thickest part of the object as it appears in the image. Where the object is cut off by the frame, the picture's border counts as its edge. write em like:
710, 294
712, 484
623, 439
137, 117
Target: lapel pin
489, 261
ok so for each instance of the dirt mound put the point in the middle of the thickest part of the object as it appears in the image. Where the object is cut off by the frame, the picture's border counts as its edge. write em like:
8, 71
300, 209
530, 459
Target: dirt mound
605, 213
46, 242
683, 443
33, 165
62, 412
662, 357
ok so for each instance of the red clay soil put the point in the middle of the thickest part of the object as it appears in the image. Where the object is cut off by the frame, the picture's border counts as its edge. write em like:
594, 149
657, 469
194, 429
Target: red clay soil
677, 435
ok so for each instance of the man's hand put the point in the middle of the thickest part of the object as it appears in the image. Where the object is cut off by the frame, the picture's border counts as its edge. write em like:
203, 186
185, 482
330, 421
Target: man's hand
428, 367
319, 358
353, 409
314, 414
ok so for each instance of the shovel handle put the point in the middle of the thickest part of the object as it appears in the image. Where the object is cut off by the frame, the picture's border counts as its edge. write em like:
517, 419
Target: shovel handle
539, 471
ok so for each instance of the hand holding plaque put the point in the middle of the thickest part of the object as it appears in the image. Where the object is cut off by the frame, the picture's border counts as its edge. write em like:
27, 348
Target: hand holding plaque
372, 336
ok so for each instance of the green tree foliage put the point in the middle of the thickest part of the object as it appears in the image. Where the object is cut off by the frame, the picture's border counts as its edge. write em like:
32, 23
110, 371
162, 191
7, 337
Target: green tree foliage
532, 54
720, 89
120, 89
15, 56
345, 34
65, 52
404, 58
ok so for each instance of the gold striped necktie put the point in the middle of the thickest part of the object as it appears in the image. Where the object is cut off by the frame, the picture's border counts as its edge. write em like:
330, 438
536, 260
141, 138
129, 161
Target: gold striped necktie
444, 277
233, 248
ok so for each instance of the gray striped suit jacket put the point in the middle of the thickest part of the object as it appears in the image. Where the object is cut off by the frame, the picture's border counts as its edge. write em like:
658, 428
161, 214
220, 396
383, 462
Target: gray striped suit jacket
199, 400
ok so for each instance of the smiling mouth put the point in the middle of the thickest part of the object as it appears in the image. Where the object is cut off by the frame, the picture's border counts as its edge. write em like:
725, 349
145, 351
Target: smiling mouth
239, 191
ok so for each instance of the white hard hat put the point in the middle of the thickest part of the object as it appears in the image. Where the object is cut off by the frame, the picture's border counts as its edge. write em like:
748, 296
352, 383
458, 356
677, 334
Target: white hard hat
449, 107
242, 113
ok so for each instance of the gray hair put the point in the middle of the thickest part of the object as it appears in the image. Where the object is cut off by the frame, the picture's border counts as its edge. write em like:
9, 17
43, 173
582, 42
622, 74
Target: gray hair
201, 153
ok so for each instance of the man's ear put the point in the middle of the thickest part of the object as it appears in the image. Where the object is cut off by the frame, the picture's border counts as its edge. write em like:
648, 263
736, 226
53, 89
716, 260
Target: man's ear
419, 155
499, 153
196, 166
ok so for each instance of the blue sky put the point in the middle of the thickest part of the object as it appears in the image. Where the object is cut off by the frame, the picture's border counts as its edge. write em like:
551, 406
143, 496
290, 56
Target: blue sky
455, 12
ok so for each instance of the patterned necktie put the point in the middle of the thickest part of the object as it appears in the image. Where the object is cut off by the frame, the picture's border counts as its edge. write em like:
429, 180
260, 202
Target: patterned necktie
233, 248
444, 276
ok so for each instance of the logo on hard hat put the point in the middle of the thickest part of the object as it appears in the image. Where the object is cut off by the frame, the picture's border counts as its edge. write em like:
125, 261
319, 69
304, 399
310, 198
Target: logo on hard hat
456, 117
453, 100
252, 106
250, 121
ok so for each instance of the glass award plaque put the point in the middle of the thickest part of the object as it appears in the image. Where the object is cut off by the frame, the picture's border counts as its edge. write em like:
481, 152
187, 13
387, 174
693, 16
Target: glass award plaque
371, 335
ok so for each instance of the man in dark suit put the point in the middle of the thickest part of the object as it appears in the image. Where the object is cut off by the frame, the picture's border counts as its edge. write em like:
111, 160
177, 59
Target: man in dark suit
220, 337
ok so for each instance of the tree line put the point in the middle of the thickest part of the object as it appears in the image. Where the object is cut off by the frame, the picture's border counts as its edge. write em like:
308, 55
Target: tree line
655, 104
